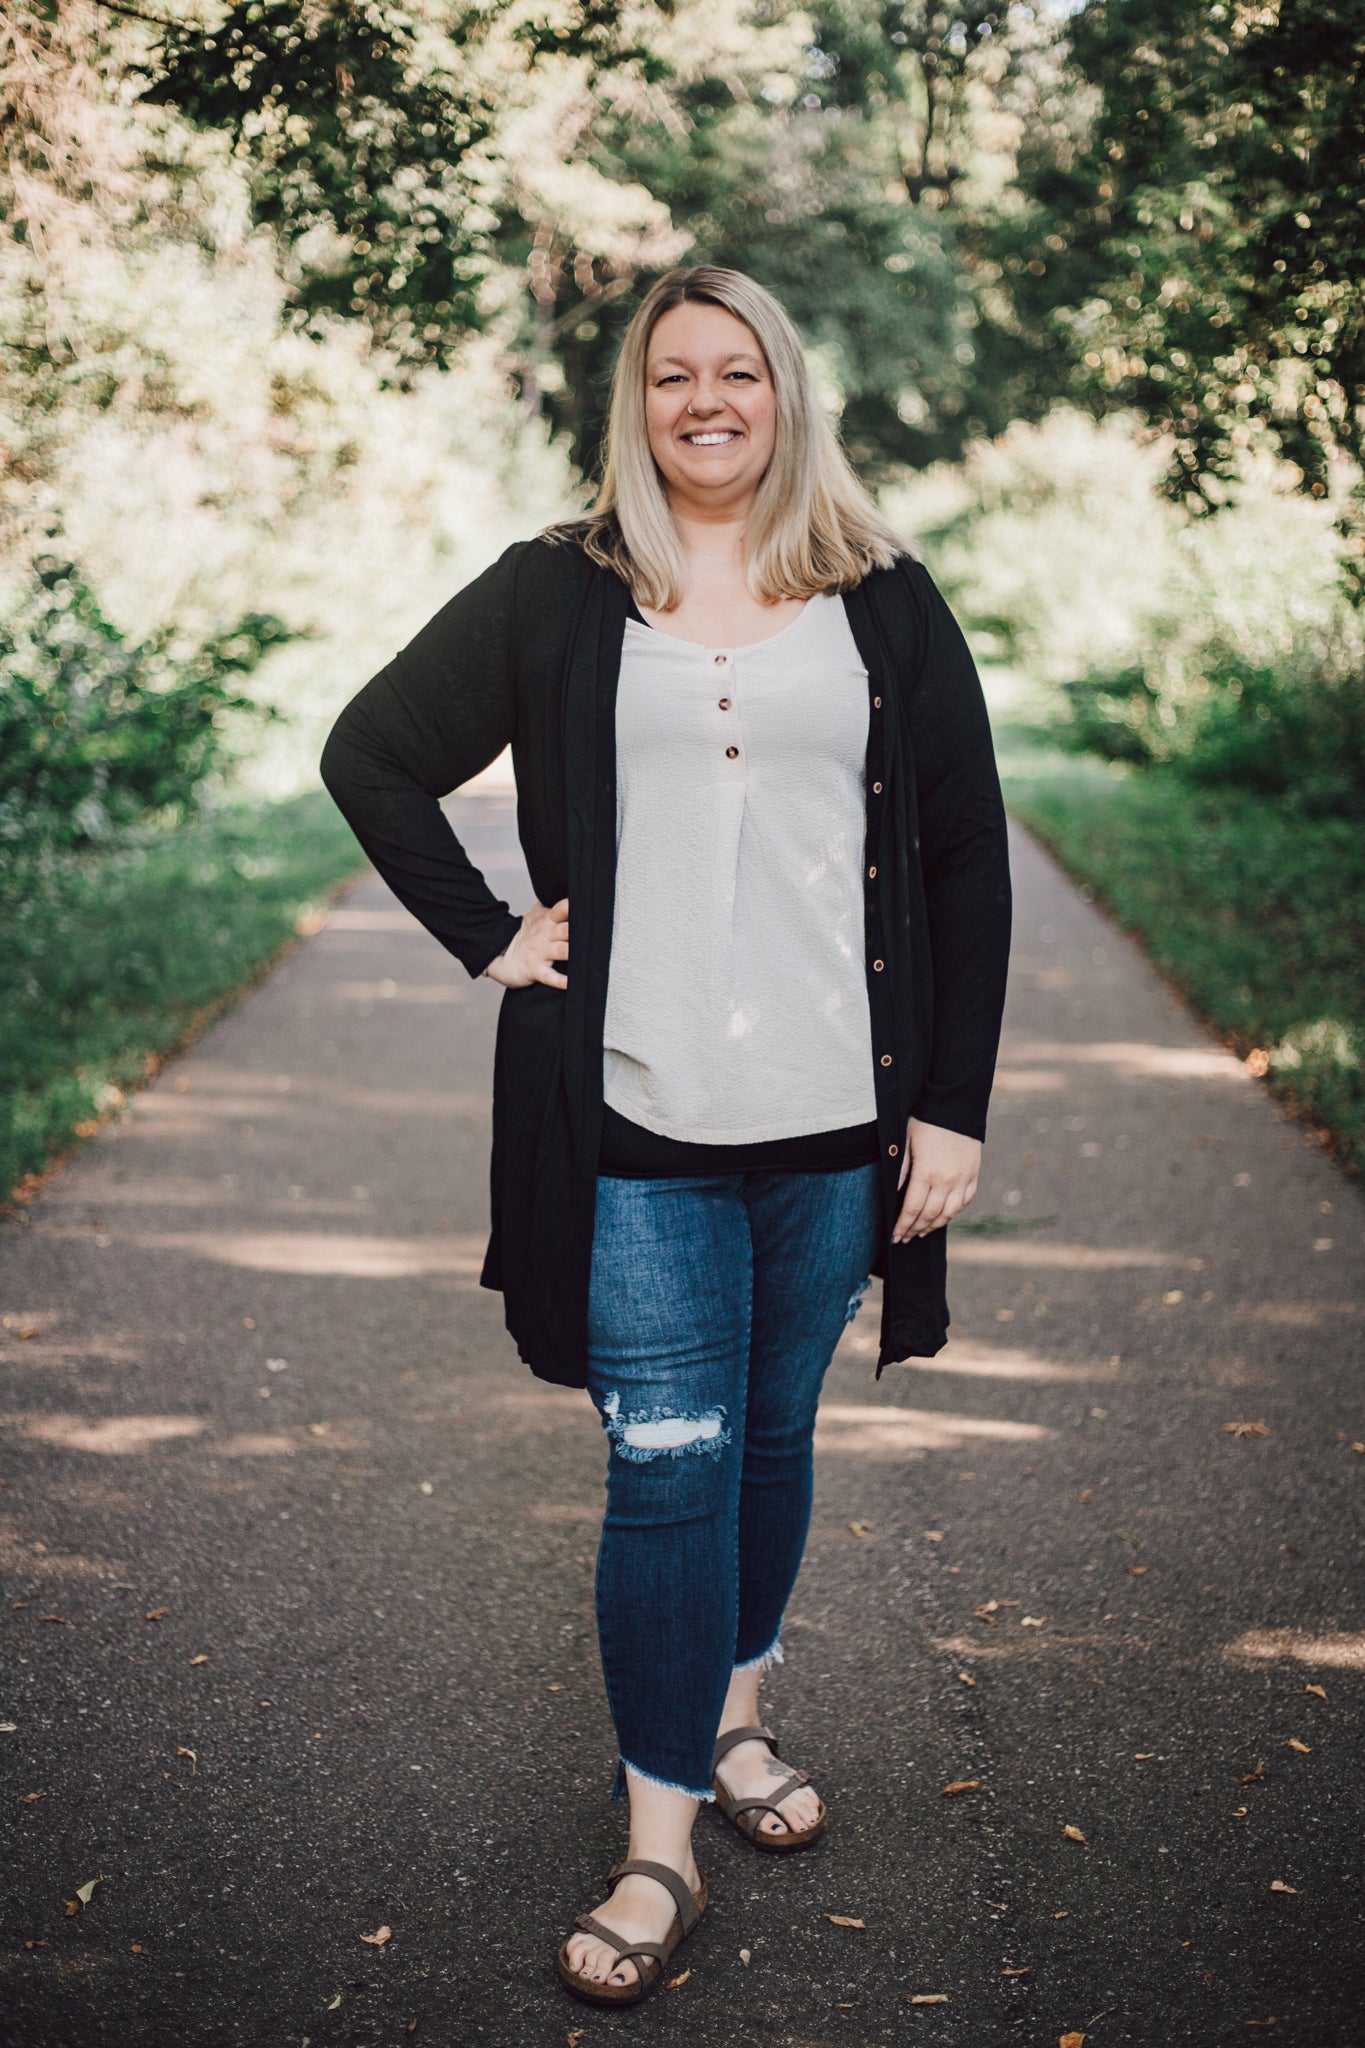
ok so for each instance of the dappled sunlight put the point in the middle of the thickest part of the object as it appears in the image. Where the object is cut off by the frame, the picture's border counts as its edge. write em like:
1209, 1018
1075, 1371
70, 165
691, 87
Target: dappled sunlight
278, 1446
844, 1429
1337, 1650
1042, 1642
1126, 1059
1294, 1315
1091, 1258
317, 1253
111, 1436
27, 1560
344, 919
982, 1362
36, 1352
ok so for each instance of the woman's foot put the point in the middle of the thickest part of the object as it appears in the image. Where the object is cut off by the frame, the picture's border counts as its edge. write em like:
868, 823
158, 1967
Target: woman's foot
751, 1771
639, 1909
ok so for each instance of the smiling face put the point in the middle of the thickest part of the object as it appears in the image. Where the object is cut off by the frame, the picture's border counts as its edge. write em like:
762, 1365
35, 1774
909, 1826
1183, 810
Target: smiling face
710, 408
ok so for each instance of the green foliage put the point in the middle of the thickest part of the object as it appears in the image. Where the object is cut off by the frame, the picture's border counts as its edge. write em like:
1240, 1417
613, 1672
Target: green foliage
98, 731
115, 955
1255, 910
1198, 255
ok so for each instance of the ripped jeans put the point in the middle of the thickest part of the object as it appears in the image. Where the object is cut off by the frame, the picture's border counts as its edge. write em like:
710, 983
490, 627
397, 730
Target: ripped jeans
716, 1304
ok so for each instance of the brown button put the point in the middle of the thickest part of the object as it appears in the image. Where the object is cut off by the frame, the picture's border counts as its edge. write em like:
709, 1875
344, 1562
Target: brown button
731, 753
877, 966
872, 874
725, 703
894, 1150
876, 703
876, 789
886, 1059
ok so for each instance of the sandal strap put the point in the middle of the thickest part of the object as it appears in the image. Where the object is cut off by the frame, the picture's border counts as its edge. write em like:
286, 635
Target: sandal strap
672, 1881
655, 1950
733, 1736
770, 1805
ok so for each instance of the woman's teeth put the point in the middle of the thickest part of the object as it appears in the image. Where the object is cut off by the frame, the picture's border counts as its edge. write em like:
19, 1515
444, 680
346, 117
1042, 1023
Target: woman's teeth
711, 440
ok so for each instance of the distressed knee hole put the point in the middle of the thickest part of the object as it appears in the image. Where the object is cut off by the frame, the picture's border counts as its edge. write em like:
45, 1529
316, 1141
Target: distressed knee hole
660, 1432
855, 1300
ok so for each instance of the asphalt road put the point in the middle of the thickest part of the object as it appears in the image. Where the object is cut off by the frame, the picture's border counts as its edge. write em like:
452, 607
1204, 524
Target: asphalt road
298, 1623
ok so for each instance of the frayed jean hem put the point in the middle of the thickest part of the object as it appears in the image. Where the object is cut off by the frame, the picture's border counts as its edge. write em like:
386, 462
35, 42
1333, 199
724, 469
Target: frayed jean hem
618, 1790
765, 1661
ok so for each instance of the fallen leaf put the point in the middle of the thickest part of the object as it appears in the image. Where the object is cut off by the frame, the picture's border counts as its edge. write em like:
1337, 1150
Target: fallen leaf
30, 1330
1278, 1885
1032, 1620
335, 2003
933, 1535
926, 1998
1071, 2041
1240, 1812
1137, 1570
203, 1658
1086, 1497
1359, 1450
1252, 1777
55, 1617
674, 1982
73, 1906
36, 1944
966, 1678
156, 1613
412, 2029
1303, 1748
1317, 1691
85, 1892
29, 1797
961, 1785
987, 1612
1065, 1914
574, 2036
556, 1688
1172, 1296
998, 1904
845, 1920
1024, 1972
378, 1939
863, 1528
744, 1957
135, 1948
1143, 1756
194, 1761
1072, 1834
1245, 1429
17, 1604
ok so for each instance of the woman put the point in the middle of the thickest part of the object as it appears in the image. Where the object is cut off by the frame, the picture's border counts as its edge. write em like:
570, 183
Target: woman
752, 754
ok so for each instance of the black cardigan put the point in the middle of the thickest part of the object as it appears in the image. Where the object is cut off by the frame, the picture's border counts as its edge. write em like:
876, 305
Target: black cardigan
529, 653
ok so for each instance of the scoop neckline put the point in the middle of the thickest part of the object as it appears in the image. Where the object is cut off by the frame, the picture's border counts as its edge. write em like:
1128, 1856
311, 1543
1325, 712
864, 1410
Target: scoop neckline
729, 646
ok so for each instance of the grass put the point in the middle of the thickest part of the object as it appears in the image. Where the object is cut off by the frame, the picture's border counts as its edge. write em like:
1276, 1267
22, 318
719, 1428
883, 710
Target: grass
1255, 911
112, 959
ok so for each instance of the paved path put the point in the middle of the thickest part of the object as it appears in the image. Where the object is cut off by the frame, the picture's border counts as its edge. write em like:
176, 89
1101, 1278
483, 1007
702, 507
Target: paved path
254, 1391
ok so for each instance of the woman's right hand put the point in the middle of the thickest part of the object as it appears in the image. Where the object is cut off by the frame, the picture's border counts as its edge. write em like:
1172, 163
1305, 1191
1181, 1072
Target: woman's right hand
543, 939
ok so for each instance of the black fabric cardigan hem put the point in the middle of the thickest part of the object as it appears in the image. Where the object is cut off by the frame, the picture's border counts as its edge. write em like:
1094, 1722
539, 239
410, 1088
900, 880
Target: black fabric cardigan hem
528, 654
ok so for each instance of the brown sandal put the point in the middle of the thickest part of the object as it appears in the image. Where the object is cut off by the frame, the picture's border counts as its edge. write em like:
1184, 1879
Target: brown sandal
690, 1907
745, 1812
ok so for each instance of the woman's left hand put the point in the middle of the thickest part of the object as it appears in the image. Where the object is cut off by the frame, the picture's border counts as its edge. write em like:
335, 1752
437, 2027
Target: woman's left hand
942, 1166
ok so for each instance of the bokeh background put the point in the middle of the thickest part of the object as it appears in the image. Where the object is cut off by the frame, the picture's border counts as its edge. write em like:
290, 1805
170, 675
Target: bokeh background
306, 311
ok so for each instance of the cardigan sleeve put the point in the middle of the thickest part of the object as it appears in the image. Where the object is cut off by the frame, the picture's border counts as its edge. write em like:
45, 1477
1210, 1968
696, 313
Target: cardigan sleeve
441, 711
964, 858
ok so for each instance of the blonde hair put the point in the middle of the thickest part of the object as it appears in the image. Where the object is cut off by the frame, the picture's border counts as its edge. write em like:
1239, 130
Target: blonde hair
814, 526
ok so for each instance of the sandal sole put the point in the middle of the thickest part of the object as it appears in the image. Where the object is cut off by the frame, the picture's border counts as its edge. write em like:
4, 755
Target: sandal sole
625, 1994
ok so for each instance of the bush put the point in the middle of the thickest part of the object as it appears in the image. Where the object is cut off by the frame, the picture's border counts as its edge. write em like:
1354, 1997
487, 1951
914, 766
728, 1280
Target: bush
97, 731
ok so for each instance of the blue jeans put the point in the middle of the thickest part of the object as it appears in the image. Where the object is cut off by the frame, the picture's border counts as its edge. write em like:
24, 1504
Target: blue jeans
715, 1307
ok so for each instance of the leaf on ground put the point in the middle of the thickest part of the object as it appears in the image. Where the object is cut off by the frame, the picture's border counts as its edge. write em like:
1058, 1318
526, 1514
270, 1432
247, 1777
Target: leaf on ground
194, 1760
378, 1939
73, 1906
574, 2036
933, 1535
335, 2003
1318, 1692
556, 1688
1032, 1620
85, 1892
1143, 1756
1065, 1914
1253, 1777
966, 1678
202, 1658
135, 1948
29, 1797
1085, 1497
1359, 1450
1071, 2041
1304, 1748
1137, 1570
986, 1612
744, 1955
1024, 1971
55, 1617
1242, 1428
845, 1920
1240, 1812
1278, 1885
411, 2028
863, 1528
1072, 1834
156, 1613
961, 1785
926, 1998
674, 1982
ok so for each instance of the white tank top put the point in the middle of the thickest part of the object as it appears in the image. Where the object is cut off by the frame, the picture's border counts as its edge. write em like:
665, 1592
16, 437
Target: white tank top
737, 997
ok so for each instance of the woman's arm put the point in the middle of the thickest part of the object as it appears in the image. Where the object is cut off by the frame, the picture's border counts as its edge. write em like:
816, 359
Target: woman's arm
441, 711
964, 858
